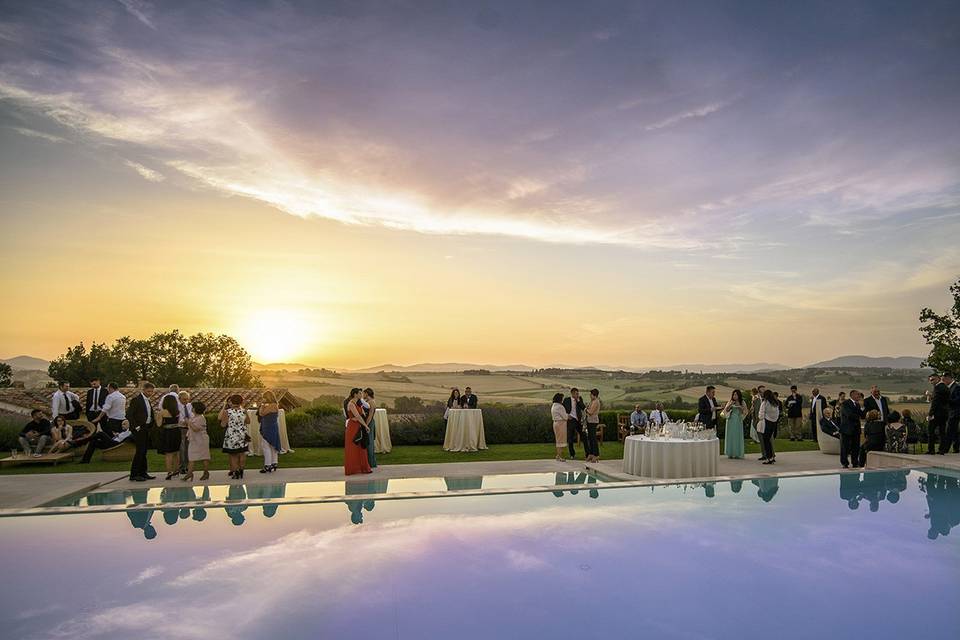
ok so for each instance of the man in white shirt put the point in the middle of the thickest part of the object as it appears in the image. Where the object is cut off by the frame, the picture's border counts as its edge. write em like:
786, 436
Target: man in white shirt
62, 402
110, 421
658, 416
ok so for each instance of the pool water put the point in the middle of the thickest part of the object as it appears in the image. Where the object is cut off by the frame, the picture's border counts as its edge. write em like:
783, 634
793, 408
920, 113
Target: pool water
290, 491
872, 555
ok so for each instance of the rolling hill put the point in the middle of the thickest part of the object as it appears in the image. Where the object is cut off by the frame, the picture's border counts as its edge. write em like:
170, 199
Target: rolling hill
900, 362
27, 363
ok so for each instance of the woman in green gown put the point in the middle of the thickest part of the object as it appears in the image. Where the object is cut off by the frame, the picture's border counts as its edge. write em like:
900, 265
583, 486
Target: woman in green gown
734, 413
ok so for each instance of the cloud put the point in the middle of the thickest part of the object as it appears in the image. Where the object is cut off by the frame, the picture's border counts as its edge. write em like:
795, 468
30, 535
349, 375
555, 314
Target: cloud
139, 9
146, 574
30, 133
699, 112
145, 172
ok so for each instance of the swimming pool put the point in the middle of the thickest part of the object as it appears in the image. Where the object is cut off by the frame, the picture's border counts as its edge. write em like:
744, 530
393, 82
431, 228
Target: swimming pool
305, 491
853, 555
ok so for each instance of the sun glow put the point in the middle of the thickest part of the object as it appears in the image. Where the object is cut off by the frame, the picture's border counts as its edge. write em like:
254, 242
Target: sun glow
274, 336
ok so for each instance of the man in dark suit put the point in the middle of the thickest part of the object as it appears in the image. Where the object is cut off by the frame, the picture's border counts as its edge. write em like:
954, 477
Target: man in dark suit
851, 413
877, 402
468, 400
952, 439
937, 415
575, 408
795, 414
817, 405
707, 408
95, 397
140, 419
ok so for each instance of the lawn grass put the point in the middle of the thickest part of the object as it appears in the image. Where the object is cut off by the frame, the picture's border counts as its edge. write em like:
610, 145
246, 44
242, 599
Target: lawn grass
333, 457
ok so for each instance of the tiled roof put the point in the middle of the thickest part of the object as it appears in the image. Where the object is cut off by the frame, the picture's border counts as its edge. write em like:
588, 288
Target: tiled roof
29, 399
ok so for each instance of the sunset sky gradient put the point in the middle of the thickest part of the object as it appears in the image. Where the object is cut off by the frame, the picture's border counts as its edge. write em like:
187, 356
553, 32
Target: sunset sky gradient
353, 183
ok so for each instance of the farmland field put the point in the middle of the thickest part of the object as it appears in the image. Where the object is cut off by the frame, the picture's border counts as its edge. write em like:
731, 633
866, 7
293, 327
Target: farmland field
616, 389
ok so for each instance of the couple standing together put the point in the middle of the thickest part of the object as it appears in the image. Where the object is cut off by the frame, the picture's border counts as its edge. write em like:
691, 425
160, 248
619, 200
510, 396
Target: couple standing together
569, 416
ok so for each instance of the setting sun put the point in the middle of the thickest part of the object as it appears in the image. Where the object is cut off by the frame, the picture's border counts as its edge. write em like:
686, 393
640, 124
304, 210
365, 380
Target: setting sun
274, 336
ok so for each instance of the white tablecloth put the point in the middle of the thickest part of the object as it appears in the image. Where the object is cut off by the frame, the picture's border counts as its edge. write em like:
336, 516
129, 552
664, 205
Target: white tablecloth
670, 458
382, 442
254, 429
464, 430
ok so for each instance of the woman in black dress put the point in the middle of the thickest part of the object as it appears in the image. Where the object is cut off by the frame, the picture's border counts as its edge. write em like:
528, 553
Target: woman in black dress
170, 434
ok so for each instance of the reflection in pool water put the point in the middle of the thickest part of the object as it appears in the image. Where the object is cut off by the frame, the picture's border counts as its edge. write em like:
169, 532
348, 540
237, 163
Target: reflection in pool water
326, 489
686, 561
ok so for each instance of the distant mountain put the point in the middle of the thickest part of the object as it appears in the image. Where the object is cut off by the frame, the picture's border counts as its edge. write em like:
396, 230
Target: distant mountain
280, 366
724, 368
901, 362
27, 363
444, 367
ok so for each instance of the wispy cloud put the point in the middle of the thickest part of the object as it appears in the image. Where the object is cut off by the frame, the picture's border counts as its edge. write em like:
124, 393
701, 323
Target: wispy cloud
699, 112
31, 133
145, 172
146, 574
139, 9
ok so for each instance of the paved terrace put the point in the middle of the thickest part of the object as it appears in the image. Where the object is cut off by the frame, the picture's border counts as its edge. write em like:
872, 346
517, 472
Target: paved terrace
35, 490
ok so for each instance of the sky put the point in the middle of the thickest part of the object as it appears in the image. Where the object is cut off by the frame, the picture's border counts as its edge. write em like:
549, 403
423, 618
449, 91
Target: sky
355, 183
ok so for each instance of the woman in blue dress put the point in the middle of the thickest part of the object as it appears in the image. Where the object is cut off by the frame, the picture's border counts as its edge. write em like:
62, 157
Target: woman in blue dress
269, 413
734, 413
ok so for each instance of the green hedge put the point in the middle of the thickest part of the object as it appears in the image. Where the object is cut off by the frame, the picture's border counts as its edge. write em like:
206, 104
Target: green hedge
322, 426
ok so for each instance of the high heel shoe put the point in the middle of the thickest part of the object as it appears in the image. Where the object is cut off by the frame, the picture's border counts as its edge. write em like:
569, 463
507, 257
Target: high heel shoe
265, 470
205, 476
233, 475
188, 477
273, 467
240, 474
171, 474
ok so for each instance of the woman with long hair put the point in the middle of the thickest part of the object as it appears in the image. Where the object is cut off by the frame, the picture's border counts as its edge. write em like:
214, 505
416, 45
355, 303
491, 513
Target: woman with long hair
170, 435
453, 402
768, 419
269, 413
234, 419
734, 412
560, 417
355, 458
61, 433
593, 424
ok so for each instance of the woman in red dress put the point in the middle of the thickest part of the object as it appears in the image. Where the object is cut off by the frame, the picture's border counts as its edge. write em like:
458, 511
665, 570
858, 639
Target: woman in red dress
355, 458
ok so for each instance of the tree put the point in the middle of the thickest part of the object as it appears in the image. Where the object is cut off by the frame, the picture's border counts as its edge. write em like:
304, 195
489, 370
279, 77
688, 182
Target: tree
166, 358
78, 366
942, 333
222, 361
6, 375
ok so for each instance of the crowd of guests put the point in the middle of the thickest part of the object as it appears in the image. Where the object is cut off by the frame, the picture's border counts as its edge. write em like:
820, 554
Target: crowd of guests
861, 423
572, 419
180, 425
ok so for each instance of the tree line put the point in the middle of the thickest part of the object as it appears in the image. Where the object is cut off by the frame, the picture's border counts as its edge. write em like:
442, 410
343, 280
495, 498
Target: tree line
200, 360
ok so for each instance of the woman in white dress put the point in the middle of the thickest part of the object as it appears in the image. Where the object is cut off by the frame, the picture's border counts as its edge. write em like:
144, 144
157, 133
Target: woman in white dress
560, 417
